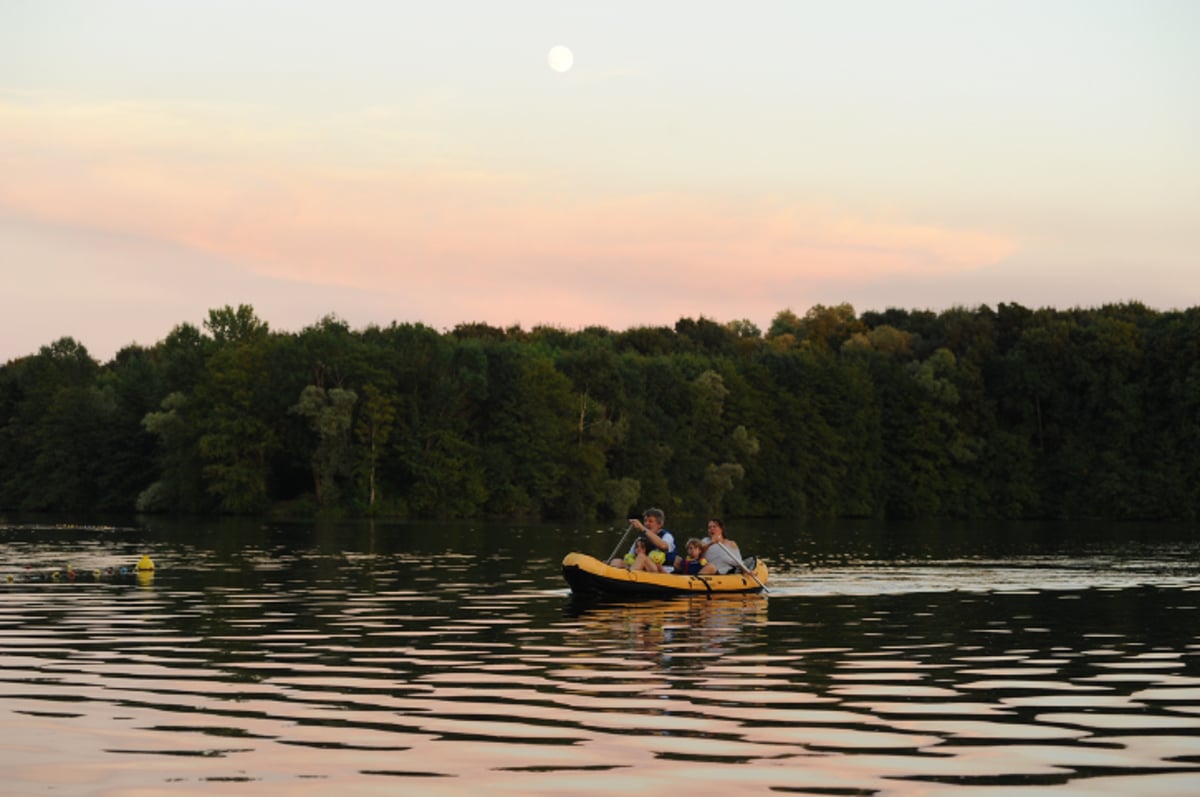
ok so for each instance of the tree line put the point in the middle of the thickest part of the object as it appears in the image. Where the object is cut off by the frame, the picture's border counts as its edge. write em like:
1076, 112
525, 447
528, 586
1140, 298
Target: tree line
1004, 412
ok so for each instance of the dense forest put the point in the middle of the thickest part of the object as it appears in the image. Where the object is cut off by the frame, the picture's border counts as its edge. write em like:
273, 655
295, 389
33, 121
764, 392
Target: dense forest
1006, 412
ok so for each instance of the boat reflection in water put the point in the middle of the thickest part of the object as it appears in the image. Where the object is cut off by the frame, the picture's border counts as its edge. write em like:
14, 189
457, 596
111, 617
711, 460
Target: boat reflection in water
680, 632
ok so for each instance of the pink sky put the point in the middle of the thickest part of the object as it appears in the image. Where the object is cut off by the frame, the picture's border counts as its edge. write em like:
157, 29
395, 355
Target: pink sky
640, 187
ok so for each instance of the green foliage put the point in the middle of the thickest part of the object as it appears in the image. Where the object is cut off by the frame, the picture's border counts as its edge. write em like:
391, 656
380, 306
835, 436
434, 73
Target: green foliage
620, 496
229, 326
330, 414
374, 428
1007, 412
55, 414
179, 486
239, 424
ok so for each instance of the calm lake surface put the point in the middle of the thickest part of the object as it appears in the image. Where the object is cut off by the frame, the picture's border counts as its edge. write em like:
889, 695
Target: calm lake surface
269, 658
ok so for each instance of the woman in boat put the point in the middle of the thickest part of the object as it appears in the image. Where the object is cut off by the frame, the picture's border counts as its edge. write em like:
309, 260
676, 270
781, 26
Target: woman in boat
722, 553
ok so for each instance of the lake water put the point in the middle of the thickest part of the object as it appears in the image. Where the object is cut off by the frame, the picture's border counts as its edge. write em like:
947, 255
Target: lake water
293, 659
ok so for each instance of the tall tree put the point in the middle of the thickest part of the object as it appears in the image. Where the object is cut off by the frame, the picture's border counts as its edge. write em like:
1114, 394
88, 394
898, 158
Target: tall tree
54, 416
330, 414
180, 486
239, 425
229, 326
376, 417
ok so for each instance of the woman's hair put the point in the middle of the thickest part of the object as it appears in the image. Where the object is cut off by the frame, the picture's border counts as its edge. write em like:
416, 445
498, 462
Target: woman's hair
720, 523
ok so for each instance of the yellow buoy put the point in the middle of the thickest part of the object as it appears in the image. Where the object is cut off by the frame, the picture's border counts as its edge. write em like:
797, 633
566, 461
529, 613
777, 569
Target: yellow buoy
145, 563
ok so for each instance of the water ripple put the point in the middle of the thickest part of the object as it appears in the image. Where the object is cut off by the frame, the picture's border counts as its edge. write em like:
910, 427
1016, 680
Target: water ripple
301, 672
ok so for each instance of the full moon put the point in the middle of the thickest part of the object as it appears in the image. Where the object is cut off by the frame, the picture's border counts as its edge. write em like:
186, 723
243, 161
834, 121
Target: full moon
560, 58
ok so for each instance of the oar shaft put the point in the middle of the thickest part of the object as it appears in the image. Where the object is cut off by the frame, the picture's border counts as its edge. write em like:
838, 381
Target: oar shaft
613, 555
742, 565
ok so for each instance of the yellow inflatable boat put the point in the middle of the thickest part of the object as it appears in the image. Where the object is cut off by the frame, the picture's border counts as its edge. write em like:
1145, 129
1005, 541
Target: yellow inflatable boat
589, 576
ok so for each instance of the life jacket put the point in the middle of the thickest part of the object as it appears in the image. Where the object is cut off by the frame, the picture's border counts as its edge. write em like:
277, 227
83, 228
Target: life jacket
671, 550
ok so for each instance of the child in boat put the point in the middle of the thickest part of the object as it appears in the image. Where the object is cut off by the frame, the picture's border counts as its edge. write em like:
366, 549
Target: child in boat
691, 563
642, 558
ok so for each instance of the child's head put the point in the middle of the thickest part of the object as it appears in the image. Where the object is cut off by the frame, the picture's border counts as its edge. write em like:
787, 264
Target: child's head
693, 548
642, 544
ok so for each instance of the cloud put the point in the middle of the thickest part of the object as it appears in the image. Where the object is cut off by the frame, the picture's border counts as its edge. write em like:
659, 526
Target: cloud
482, 240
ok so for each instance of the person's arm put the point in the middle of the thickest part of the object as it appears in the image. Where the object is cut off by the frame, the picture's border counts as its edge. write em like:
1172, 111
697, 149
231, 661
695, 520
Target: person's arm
658, 541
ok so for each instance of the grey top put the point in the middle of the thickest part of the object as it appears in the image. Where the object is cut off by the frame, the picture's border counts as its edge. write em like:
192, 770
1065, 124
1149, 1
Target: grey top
720, 557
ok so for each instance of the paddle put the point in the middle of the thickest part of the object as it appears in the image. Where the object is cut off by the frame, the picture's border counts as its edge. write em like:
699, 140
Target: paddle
613, 555
742, 565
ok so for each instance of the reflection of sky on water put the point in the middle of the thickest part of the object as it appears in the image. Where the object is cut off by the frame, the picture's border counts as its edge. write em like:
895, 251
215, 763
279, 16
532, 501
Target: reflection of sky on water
300, 670
1008, 575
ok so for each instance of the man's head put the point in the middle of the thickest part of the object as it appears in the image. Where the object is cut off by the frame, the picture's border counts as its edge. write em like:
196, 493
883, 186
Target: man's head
654, 515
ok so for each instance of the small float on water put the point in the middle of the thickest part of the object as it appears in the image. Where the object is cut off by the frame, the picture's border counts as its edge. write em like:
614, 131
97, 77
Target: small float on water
140, 573
587, 575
